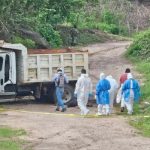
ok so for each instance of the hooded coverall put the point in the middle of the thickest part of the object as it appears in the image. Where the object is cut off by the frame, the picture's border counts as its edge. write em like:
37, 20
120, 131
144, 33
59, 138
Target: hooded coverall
102, 95
82, 90
112, 91
131, 92
122, 79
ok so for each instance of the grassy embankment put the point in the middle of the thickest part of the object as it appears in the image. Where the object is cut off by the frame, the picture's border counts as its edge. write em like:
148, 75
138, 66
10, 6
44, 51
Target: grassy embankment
139, 54
9, 138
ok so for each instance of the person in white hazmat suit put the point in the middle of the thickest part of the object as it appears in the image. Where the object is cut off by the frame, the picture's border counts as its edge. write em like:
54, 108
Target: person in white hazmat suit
82, 91
112, 91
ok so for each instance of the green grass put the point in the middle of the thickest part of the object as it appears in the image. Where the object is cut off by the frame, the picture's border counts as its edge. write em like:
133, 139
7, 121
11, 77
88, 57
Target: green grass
9, 138
9, 145
143, 108
143, 67
143, 124
8, 132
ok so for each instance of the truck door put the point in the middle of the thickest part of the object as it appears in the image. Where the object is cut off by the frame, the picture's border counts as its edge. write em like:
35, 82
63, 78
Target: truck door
2, 60
7, 70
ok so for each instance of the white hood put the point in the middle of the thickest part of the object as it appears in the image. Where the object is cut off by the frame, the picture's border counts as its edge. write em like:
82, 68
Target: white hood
129, 76
102, 76
84, 75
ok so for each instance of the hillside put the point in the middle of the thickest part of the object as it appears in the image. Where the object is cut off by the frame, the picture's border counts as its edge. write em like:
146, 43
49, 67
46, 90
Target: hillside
35, 23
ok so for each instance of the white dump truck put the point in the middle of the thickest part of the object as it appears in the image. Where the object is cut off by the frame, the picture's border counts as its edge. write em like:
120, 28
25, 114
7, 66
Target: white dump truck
29, 72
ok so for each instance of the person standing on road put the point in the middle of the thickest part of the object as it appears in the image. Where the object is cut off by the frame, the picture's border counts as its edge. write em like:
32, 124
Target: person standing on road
60, 80
131, 92
82, 91
122, 79
102, 95
112, 91
74, 35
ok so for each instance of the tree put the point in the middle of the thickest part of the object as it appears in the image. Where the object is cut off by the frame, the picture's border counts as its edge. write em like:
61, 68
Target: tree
32, 16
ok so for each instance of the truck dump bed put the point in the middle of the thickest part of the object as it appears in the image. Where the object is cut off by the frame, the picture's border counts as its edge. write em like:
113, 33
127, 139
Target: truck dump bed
42, 64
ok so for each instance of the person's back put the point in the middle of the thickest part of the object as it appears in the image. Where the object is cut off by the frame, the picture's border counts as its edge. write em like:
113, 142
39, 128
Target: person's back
102, 95
103, 85
131, 92
82, 91
112, 91
113, 82
123, 77
131, 89
85, 83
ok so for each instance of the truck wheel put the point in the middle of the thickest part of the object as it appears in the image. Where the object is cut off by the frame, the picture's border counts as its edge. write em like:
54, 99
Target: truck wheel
68, 96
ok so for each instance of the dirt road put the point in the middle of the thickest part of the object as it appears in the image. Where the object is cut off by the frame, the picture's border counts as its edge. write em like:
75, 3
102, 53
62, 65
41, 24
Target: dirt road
48, 130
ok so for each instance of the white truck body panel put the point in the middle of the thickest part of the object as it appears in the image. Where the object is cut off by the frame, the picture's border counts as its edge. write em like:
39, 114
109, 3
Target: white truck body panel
32, 68
42, 67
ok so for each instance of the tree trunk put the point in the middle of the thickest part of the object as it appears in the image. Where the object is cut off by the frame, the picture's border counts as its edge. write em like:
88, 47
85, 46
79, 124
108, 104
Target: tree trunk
36, 37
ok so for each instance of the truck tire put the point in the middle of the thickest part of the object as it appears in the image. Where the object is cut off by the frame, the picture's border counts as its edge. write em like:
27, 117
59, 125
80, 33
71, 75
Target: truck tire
68, 96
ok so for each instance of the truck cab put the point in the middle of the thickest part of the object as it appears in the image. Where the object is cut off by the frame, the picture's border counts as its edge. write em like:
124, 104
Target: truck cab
7, 72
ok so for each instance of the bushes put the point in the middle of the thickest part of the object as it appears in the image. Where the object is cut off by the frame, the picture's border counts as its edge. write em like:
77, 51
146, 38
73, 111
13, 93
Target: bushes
52, 36
26, 42
110, 28
139, 52
106, 21
141, 45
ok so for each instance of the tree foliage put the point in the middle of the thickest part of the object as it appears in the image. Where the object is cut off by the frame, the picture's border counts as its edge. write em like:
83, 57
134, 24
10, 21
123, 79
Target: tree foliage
39, 16
114, 16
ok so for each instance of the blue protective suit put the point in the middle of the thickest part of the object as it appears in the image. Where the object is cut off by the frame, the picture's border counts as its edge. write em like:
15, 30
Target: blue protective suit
102, 94
131, 84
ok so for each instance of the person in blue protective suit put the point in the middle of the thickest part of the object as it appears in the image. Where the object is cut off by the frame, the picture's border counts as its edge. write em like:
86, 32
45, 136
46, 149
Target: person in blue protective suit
82, 91
60, 80
131, 92
102, 95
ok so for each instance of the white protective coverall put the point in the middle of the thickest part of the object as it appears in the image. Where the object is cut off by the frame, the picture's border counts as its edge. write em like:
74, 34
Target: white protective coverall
82, 90
112, 91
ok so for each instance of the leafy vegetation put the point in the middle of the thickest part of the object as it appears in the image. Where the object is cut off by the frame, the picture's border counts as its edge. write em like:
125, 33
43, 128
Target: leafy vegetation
9, 140
139, 52
141, 45
24, 41
38, 16
37, 21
